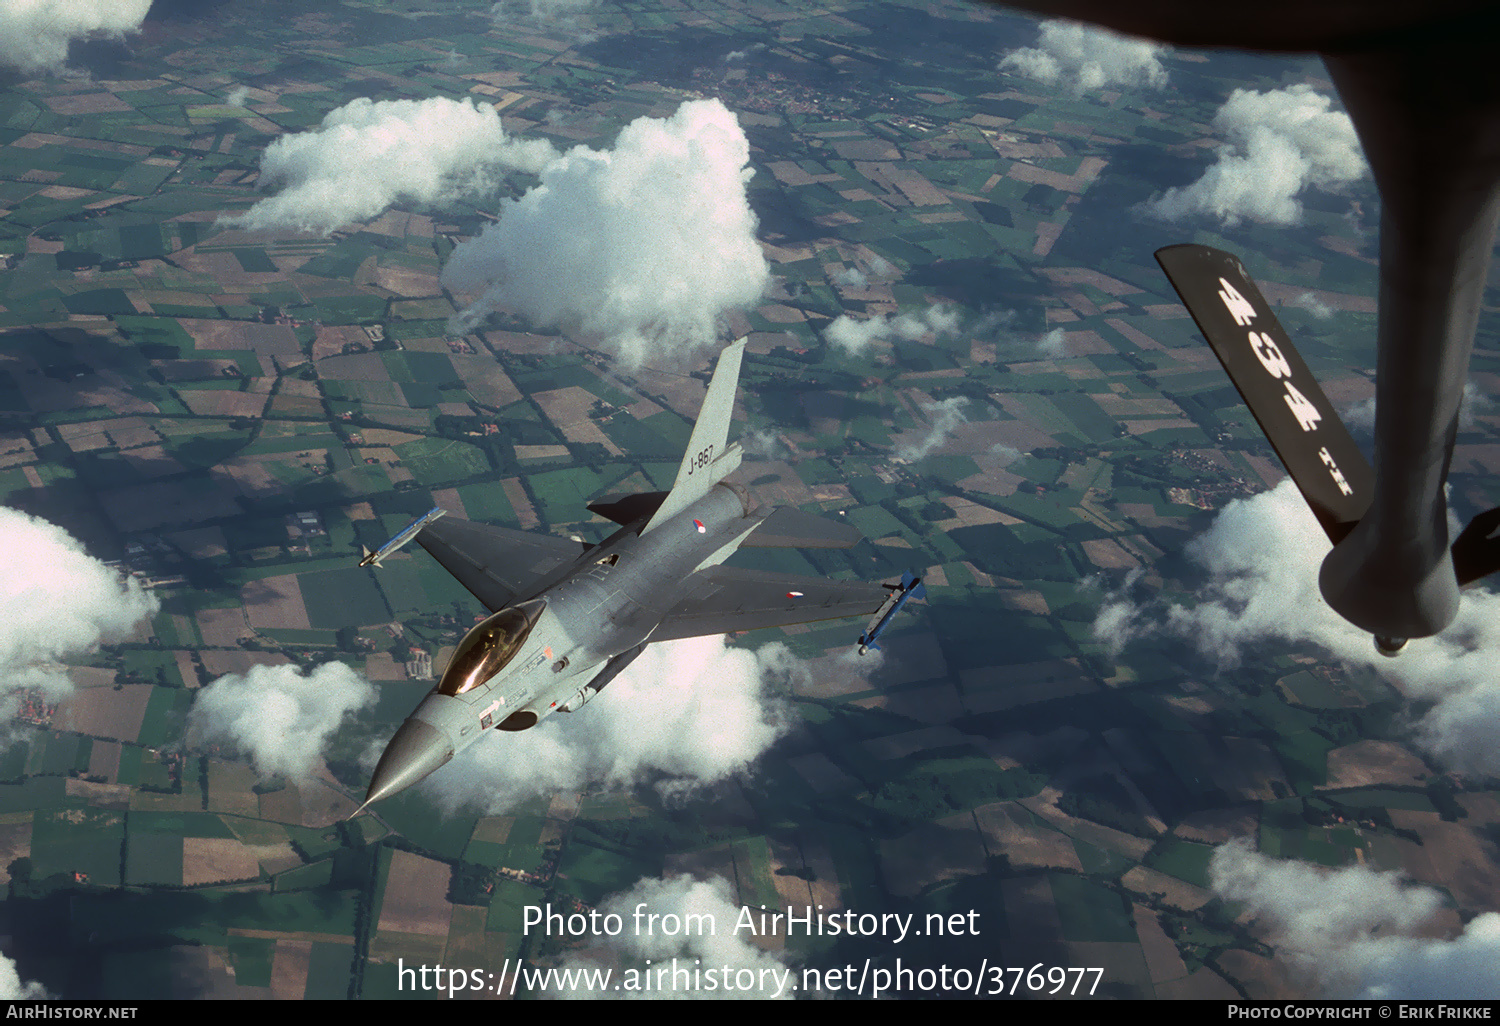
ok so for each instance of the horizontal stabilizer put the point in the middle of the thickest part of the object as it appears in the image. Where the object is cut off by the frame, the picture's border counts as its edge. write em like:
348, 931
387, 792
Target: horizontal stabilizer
790, 528
1475, 553
1297, 418
624, 508
499, 565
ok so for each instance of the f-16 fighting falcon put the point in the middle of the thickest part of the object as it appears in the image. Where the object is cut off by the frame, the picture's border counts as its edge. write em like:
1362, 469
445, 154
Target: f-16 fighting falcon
569, 616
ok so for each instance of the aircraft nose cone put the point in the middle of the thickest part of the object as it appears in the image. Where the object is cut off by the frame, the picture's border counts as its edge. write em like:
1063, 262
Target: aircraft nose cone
417, 749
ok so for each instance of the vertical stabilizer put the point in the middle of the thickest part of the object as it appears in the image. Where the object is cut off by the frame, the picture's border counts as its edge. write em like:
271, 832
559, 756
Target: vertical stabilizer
709, 458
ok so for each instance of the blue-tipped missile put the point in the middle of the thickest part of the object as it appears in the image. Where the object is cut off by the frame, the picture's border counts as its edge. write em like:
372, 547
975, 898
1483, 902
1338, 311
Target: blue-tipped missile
401, 537
910, 587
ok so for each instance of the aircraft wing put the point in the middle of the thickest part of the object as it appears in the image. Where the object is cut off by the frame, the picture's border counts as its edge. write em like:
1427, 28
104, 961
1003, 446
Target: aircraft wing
497, 564
721, 599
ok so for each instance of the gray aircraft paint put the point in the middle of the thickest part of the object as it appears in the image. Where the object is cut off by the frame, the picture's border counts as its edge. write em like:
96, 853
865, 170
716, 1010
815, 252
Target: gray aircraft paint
658, 573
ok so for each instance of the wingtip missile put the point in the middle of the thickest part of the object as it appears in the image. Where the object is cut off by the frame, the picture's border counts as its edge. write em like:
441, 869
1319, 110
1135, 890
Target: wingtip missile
911, 586
400, 538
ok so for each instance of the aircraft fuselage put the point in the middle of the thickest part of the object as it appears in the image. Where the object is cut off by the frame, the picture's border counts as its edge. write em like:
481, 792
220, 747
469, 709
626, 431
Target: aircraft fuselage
603, 605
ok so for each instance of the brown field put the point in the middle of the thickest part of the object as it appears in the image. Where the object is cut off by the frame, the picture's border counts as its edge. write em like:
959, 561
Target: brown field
1044, 805
1030, 911
1162, 958
1167, 889
1371, 763
568, 410
275, 602
415, 896
790, 888
105, 712
824, 886
465, 937
1263, 978
1108, 554
218, 402
355, 367
1455, 855
289, 967
1008, 829
15, 843
704, 864
1216, 826
222, 627
91, 103
215, 859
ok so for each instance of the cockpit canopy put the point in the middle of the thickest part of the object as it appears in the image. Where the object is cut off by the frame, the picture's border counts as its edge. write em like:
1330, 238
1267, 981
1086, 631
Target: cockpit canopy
487, 648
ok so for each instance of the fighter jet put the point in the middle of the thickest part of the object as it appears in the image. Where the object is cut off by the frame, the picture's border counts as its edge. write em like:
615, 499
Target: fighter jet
568, 617
1421, 85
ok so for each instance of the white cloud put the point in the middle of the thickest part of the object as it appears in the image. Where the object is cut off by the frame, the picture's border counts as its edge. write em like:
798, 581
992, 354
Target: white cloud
1262, 555
277, 716
34, 34
1084, 58
727, 964
237, 96
945, 416
1360, 415
644, 245
367, 156
685, 713
856, 336
851, 277
1053, 345
567, 16
1280, 143
56, 602
1350, 928
11, 987
1313, 305
1475, 403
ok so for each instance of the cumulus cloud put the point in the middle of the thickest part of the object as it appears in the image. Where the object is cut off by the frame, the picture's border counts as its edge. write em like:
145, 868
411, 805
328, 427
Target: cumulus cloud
1360, 416
56, 602
34, 34
644, 245
856, 336
1280, 143
1053, 345
1083, 58
1313, 305
685, 714
13, 989
367, 156
1262, 555
278, 716
237, 96
944, 417
1475, 403
728, 964
851, 277
1351, 928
